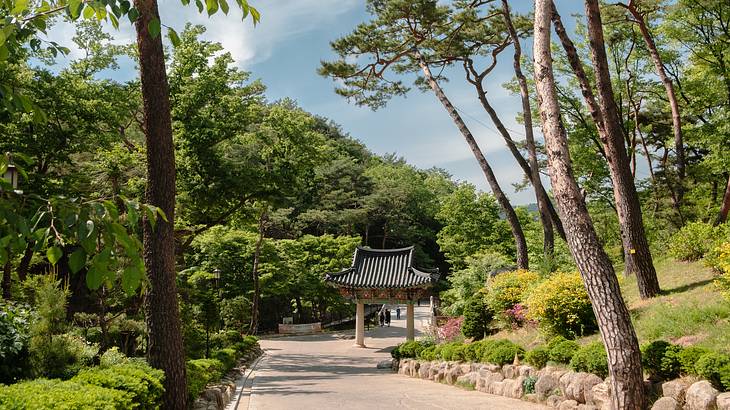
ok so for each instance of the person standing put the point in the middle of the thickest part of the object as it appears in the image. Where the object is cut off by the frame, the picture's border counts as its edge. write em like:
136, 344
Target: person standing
387, 317
382, 318
397, 313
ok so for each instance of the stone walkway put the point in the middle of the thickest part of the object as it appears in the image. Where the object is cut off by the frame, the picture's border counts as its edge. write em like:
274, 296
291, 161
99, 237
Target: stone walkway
328, 372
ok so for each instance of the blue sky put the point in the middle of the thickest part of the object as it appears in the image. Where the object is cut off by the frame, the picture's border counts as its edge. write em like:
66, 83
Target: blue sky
285, 49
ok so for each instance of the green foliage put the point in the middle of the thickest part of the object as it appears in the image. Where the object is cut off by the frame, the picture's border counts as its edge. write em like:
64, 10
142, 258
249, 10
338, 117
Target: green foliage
688, 358
471, 224
454, 351
226, 356
112, 357
528, 385
502, 352
466, 282
477, 317
696, 239
661, 360
430, 353
14, 338
715, 367
719, 260
563, 350
561, 306
200, 372
141, 383
591, 358
538, 357
42, 394
411, 349
509, 288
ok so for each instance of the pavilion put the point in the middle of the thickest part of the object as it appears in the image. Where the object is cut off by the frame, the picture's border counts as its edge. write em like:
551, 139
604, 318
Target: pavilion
383, 276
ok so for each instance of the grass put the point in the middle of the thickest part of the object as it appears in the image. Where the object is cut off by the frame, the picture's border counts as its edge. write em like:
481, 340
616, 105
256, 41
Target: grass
690, 310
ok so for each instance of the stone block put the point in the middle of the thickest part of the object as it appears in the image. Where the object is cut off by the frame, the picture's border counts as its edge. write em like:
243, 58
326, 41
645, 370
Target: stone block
666, 403
675, 389
568, 405
723, 401
701, 396
554, 401
546, 384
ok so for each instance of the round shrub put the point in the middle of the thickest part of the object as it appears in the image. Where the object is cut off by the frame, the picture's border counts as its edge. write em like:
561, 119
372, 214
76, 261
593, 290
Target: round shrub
537, 357
688, 358
477, 317
428, 353
591, 358
410, 349
508, 288
226, 356
141, 383
561, 306
42, 394
502, 352
715, 367
200, 372
695, 240
661, 360
453, 352
563, 351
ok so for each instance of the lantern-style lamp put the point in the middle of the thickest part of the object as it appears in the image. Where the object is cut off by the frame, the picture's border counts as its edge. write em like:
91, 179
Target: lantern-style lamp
217, 276
11, 176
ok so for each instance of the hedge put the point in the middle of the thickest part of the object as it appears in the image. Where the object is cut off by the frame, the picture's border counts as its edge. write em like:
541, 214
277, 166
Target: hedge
44, 394
141, 383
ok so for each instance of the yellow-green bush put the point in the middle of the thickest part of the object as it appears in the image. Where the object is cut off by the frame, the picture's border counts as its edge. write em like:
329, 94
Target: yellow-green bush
43, 394
508, 288
561, 306
696, 239
719, 260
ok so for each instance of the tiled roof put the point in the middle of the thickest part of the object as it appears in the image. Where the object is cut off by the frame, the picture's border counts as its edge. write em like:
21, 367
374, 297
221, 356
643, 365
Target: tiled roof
383, 269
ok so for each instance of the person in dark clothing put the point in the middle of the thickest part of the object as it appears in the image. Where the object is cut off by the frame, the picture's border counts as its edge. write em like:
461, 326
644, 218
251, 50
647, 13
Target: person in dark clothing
387, 317
382, 318
397, 313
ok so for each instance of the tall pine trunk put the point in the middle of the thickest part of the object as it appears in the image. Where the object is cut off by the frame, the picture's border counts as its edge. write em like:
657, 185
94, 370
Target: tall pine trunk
165, 349
514, 223
617, 333
671, 96
547, 228
725, 206
605, 115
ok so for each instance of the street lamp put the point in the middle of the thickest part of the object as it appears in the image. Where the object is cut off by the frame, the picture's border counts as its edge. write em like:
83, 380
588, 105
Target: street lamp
217, 277
11, 176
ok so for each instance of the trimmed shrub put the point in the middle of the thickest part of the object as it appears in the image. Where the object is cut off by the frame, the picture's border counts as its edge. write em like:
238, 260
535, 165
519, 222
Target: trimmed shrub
688, 358
42, 394
561, 306
200, 372
410, 349
140, 382
477, 317
502, 352
428, 353
537, 357
226, 356
247, 344
696, 239
563, 351
508, 288
719, 260
591, 358
715, 367
453, 352
661, 360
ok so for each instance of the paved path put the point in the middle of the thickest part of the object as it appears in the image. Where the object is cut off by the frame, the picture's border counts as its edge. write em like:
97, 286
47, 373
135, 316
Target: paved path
328, 372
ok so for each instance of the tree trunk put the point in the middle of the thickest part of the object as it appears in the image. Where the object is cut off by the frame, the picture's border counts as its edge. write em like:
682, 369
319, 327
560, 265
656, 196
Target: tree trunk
25, 261
253, 328
7, 280
514, 223
165, 349
725, 207
547, 228
617, 333
671, 96
605, 116
539, 192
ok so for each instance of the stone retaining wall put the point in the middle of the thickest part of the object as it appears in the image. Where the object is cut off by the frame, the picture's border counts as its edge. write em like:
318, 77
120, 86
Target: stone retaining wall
217, 396
558, 387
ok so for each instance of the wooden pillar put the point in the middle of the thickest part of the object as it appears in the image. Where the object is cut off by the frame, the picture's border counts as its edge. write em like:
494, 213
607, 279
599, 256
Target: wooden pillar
410, 332
360, 325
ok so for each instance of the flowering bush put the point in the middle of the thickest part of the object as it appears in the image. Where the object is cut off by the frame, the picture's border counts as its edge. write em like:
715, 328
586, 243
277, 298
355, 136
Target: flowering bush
507, 289
517, 316
450, 331
561, 306
719, 260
